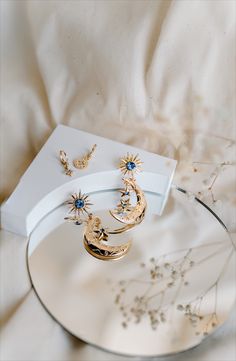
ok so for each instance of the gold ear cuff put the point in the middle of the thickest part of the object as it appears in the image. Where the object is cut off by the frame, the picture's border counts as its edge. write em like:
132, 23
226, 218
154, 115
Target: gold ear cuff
94, 234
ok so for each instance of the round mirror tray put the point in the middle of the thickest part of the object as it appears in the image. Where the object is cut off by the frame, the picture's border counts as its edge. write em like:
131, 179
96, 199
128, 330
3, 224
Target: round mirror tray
174, 287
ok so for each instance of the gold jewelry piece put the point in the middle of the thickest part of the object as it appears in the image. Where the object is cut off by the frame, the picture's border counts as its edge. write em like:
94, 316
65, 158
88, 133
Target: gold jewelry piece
79, 204
130, 165
125, 212
94, 238
64, 161
95, 235
83, 163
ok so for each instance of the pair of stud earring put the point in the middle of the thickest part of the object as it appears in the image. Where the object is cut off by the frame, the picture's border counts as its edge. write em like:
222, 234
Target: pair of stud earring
95, 235
78, 163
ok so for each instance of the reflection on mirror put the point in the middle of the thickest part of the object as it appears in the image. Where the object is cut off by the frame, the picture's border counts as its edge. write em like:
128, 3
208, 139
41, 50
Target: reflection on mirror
155, 301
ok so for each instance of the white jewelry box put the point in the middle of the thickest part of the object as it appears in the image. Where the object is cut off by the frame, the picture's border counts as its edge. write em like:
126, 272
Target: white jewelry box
44, 185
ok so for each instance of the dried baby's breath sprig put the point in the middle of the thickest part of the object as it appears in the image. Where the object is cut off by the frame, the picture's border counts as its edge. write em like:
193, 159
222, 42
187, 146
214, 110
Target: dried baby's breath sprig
210, 181
161, 276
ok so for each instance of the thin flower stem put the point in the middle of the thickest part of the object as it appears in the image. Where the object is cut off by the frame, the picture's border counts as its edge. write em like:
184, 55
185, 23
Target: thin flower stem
218, 278
213, 182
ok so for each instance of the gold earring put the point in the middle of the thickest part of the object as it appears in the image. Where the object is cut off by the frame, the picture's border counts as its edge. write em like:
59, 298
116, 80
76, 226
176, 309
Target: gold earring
95, 236
125, 212
64, 161
83, 163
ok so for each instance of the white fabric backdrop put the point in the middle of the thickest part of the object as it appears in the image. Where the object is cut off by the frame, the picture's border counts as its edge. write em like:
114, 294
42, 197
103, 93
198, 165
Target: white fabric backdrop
155, 74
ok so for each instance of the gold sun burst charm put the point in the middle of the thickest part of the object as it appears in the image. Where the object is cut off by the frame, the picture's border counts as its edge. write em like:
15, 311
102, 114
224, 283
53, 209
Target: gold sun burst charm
130, 164
79, 204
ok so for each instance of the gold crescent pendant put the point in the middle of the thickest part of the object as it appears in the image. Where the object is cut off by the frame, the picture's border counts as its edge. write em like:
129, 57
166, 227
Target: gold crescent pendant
94, 238
133, 214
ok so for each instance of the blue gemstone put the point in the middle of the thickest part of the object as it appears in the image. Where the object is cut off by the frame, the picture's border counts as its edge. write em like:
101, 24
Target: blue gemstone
130, 165
79, 203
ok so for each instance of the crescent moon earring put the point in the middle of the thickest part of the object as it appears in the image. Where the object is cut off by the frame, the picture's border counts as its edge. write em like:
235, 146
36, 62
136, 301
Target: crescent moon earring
95, 235
125, 212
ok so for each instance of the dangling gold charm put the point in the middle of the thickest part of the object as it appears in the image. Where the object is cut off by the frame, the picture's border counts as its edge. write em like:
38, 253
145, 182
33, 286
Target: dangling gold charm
64, 161
83, 163
125, 212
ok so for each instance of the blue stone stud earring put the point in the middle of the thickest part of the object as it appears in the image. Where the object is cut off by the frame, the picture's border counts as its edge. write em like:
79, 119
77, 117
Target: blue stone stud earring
79, 205
130, 164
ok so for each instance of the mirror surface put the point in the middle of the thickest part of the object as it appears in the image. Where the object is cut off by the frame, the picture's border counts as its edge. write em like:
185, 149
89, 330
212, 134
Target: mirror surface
174, 287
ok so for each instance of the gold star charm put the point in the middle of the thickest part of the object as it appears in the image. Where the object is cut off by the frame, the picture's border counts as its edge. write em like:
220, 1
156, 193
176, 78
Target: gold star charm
102, 234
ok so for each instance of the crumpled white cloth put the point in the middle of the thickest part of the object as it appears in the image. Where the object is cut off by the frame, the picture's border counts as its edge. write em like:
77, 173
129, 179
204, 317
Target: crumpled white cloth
159, 75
